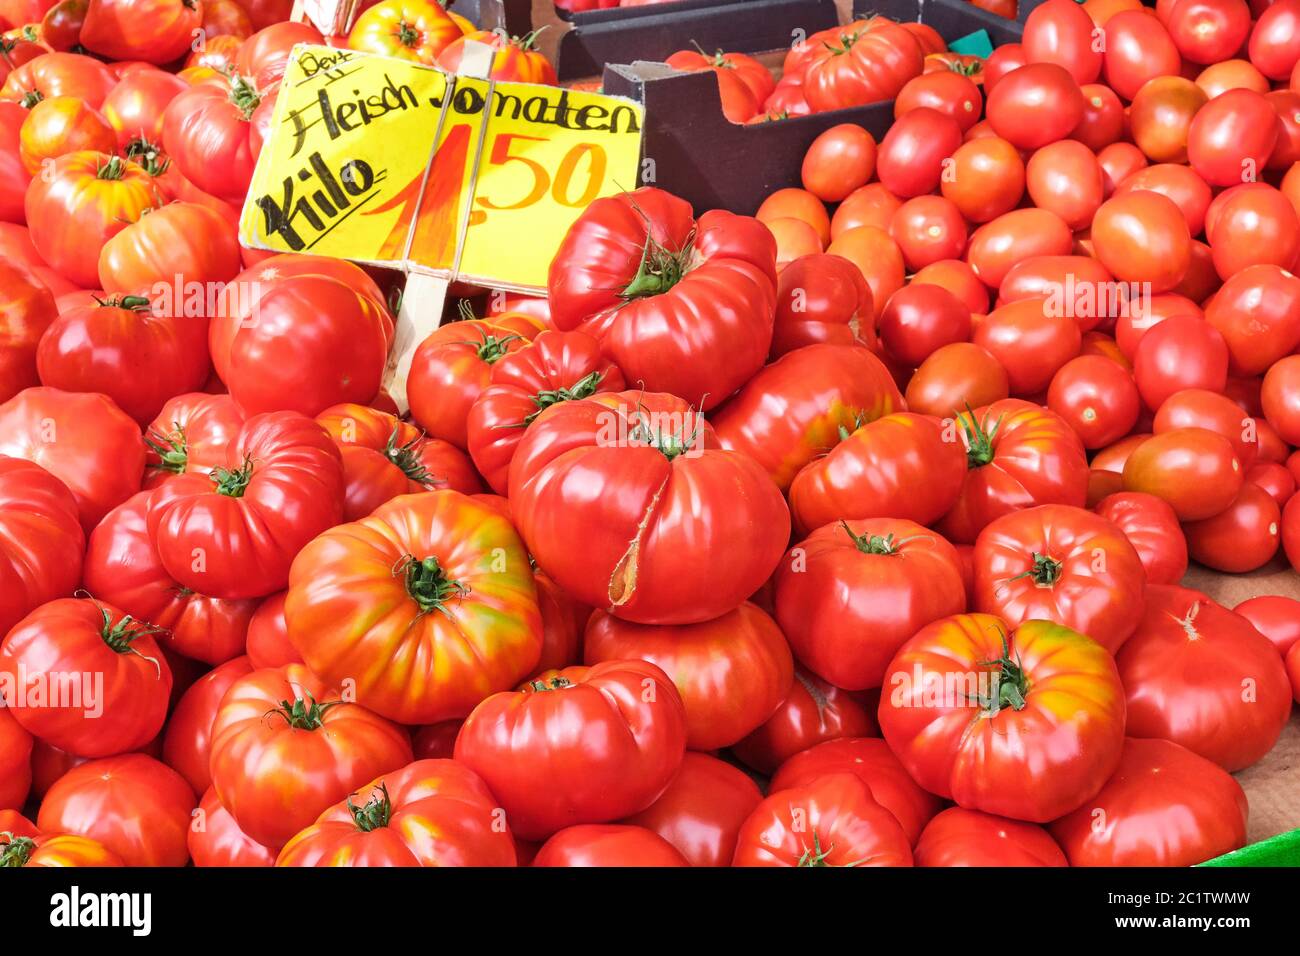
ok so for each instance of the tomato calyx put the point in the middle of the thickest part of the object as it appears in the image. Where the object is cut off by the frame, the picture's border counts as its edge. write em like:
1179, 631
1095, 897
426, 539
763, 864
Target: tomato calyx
490, 348
1010, 683
669, 444
428, 584
659, 270
244, 95
302, 714
172, 450
132, 303
148, 156
874, 543
233, 482
584, 387
979, 438
16, 850
407, 35
407, 458
1045, 572
120, 636
375, 814
817, 856
554, 683
114, 169
31, 98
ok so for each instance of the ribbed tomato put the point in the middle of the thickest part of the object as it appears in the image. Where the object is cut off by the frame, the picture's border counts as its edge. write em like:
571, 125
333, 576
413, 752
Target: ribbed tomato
515, 59
190, 434
1151, 526
872, 62
822, 298
187, 741
41, 541
15, 764
213, 133
172, 251
218, 841
58, 849
60, 125
60, 74
285, 747
156, 31
427, 606
415, 30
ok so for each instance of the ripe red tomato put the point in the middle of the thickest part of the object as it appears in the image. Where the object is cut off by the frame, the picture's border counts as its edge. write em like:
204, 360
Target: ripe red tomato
1274, 616
134, 107
1243, 537
268, 643
1061, 32
190, 434
181, 239
958, 837
1143, 237
61, 125
1161, 116
800, 205
876, 766
1280, 397
1251, 226
1274, 478
900, 466
106, 800
869, 205
285, 747
123, 568
264, 56
839, 161
16, 764
212, 132
871, 62
683, 530
876, 255
987, 179
60, 74
1180, 353
427, 606
968, 743
580, 745
14, 178
41, 541
897, 576
156, 31
233, 534
1017, 455
187, 741
1195, 470
554, 367
958, 278
954, 377
1035, 105
216, 840
1232, 136
928, 229
137, 352
1189, 192
815, 711
1208, 31
1138, 48
1258, 313
697, 332
1200, 408
82, 439
1203, 677
518, 60
1151, 526
950, 92
1013, 237
1164, 806
1064, 565
918, 319
702, 810
822, 298
911, 157
384, 457
1119, 161
1030, 340
732, 672
848, 828
1103, 120
1275, 41
429, 813
1065, 178
1004, 59
85, 200
591, 844
1097, 397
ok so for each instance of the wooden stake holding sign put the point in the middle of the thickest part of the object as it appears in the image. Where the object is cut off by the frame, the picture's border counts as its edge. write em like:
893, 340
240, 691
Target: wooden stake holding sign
392, 163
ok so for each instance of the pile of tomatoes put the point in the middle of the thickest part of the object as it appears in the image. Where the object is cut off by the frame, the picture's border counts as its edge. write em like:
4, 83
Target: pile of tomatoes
847, 533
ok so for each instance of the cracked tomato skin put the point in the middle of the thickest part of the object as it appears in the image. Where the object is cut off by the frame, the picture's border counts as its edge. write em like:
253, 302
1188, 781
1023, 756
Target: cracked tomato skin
458, 620
41, 541
792, 411
627, 502
279, 760
958, 837
830, 821
579, 745
429, 813
281, 485
1061, 564
815, 711
852, 593
384, 457
681, 305
1187, 671
702, 810
1049, 746
1164, 806
1017, 455
123, 568
733, 672
875, 764
554, 367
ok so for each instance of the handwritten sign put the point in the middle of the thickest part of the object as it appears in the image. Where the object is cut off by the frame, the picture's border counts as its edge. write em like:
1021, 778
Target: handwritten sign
388, 162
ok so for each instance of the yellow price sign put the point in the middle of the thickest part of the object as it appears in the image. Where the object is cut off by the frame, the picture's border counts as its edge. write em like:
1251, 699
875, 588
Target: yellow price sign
387, 162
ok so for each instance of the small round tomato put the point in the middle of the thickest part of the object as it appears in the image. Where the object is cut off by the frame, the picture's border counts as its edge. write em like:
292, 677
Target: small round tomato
1189, 192
1241, 538
947, 91
1065, 178
1207, 31
1012, 237
1003, 60
1035, 105
1252, 226
1231, 137
1258, 313
911, 158
1103, 120
1202, 408
1274, 478
1143, 237
928, 229
1181, 352
1030, 340
955, 377
830, 821
1079, 287
876, 255
1098, 398
1274, 616
1281, 398
1275, 41
986, 179
1196, 471
918, 319
1151, 526
839, 161
1119, 161
869, 205
958, 278
1161, 116
1061, 32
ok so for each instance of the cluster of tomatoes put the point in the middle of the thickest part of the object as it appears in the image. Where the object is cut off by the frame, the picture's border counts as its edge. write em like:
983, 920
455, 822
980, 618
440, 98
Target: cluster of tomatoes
878, 507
